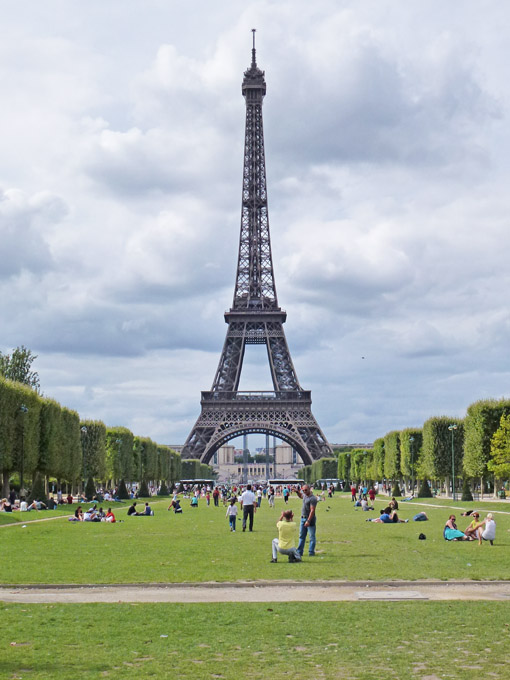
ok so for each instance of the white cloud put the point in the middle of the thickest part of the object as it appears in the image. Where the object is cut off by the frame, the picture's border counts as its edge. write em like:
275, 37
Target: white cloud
387, 156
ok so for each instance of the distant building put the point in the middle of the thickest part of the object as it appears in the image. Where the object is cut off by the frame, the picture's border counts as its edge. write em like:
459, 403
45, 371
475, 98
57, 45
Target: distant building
288, 464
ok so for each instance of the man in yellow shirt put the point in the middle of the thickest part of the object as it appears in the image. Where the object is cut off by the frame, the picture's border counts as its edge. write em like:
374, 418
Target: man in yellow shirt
286, 541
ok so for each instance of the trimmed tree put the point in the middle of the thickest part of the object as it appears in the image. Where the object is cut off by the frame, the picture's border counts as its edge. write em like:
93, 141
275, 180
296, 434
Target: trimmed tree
437, 447
119, 454
344, 467
143, 491
392, 456
411, 440
163, 491
378, 459
93, 442
90, 489
483, 418
38, 490
466, 490
424, 489
499, 462
122, 491
190, 468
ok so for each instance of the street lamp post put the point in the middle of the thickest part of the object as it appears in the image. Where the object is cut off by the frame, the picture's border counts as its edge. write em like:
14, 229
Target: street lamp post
23, 409
119, 443
411, 441
452, 429
83, 431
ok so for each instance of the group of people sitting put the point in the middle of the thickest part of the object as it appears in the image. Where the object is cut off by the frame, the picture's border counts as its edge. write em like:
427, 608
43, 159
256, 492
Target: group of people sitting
484, 530
92, 515
388, 515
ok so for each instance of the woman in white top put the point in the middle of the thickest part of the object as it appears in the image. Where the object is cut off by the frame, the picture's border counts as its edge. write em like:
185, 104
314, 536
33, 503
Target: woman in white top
489, 533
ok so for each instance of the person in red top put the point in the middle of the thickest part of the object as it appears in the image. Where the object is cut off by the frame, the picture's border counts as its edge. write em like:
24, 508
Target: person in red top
371, 494
110, 517
353, 493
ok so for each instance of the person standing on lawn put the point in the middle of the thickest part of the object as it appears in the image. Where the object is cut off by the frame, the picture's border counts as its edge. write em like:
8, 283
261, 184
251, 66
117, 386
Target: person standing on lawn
308, 519
232, 514
247, 503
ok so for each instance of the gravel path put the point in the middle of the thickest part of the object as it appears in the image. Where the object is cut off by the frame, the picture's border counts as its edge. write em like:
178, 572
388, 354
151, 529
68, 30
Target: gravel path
261, 591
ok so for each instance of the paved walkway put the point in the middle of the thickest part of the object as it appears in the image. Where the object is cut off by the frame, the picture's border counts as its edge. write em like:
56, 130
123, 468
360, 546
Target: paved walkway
261, 591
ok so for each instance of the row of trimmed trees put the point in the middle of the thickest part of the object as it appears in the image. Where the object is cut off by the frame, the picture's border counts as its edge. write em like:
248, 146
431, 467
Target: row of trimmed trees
40, 439
475, 450
324, 468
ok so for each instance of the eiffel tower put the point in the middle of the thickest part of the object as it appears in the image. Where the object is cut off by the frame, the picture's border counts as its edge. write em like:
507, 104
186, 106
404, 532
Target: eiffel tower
255, 318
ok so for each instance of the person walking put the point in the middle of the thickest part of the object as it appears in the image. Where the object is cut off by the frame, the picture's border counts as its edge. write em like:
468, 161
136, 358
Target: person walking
308, 520
247, 503
270, 497
232, 514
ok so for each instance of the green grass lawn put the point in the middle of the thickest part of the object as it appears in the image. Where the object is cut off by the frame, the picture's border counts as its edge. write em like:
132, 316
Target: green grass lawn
197, 546
358, 641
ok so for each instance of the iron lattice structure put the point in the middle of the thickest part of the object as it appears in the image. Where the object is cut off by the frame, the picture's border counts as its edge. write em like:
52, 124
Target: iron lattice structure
255, 318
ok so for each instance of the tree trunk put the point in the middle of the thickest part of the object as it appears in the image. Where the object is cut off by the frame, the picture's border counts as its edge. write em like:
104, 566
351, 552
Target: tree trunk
5, 484
481, 488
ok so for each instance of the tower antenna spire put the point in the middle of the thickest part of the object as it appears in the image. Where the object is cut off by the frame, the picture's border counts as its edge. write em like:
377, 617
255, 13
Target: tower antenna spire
253, 51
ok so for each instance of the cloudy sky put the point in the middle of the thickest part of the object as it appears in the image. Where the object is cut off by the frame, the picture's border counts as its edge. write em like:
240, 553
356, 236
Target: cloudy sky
387, 151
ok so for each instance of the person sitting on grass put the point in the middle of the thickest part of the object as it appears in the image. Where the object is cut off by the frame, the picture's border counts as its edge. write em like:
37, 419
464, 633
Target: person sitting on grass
451, 533
78, 513
472, 529
194, 502
489, 532
132, 511
285, 544
147, 510
5, 506
110, 517
365, 506
91, 515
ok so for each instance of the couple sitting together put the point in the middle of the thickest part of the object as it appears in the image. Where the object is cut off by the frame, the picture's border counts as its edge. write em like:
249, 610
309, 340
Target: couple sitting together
388, 518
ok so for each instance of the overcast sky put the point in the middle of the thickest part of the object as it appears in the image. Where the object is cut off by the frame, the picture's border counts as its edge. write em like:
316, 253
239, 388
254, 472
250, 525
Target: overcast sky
388, 157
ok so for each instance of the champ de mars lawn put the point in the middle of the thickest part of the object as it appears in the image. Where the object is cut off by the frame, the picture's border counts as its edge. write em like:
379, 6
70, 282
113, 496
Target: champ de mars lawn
198, 546
362, 640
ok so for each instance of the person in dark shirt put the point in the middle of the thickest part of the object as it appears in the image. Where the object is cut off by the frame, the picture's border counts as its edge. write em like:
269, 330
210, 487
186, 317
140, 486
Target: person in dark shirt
308, 519
132, 510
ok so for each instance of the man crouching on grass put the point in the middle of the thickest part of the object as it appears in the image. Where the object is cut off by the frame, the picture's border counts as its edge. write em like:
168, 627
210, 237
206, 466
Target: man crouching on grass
286, 541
